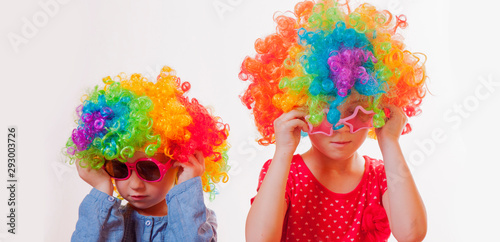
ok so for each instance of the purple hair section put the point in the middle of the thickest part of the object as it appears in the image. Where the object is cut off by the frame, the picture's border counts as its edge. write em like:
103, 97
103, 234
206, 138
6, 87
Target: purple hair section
91, 125
347, 67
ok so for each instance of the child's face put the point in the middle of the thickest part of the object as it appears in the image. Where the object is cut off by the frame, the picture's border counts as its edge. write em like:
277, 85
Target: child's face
148, 198
342, 144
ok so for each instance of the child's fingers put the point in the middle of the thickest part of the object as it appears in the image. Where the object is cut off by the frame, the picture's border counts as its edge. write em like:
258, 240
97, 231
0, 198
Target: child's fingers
395, 110
200, 158
195, 160
286, 117
82, 171
97, 178
298, 123
194, 166
78, 167
394, 123
294, 114
181, 164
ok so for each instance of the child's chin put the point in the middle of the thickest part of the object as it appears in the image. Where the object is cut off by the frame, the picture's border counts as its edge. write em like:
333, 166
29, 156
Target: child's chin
340, 154
140, 204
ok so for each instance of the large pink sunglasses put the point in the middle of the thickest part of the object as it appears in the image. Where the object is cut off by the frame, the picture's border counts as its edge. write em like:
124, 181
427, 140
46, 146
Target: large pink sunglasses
358, 120
147, 169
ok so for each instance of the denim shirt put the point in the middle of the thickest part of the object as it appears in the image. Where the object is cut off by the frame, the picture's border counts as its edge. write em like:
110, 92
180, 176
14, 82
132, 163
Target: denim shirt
101, 218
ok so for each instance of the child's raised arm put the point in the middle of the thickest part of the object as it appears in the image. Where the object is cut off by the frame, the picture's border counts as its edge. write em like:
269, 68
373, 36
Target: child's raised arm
98, 215
189, 218
402, 202
265, 218
98, 179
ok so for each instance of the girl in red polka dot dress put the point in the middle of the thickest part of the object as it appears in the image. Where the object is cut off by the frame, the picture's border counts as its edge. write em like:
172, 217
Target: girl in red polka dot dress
341, 76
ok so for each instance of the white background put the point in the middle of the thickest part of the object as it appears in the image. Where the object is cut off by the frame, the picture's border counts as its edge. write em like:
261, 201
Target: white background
68, 47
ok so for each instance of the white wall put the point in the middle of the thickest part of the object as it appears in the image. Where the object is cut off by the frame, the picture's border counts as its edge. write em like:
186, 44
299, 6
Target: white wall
73, 44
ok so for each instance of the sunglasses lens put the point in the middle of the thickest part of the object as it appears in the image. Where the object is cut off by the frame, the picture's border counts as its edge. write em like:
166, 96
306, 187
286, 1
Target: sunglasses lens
116, 169
359, 119
148, 170
364, 118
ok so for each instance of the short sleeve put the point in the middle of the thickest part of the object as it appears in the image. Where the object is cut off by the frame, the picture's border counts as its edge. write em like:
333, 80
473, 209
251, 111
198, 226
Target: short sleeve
382, 177
379, 169
263, 173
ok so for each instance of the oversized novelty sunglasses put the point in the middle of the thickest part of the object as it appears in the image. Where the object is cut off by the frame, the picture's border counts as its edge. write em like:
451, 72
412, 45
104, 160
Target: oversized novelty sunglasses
358, 120
148, 169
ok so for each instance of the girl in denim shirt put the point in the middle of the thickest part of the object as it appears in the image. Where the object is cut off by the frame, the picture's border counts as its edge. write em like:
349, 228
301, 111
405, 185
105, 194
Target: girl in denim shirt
158, 149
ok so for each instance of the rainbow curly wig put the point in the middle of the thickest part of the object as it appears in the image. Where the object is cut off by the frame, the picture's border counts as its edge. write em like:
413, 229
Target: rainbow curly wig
320, 54
132, 113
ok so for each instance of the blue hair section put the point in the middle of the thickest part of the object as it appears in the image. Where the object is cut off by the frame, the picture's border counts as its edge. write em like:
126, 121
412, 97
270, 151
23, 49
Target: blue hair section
322, 46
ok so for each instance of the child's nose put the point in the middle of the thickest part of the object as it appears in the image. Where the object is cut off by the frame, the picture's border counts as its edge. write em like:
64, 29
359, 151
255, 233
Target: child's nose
344, 128
135, 182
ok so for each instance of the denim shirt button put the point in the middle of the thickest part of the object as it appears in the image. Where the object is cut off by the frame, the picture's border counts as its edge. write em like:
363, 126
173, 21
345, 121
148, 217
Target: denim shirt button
111, 199
148, 222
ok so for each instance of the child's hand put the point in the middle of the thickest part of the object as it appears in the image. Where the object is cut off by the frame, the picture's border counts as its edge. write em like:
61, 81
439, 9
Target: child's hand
393, 126
98, 179
194, 167
287, 129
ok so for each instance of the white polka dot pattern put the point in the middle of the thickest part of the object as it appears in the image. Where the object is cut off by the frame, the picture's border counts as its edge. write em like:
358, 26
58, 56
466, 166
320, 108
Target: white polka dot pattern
318, 214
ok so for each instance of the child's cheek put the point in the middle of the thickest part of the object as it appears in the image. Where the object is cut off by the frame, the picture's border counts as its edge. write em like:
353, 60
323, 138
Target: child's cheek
121, 187
170, 178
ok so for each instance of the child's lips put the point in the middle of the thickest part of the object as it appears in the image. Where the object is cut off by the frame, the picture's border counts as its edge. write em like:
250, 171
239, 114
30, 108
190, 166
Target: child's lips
138, 197
340, 143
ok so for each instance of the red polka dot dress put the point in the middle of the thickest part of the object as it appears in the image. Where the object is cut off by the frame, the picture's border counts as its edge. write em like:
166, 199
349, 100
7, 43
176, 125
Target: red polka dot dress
317, 214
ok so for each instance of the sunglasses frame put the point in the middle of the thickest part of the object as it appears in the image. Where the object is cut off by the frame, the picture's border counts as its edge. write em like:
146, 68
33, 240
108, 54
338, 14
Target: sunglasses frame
133, 166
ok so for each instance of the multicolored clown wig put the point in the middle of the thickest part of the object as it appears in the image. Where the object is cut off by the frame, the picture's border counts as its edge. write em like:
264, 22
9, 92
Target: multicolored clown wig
132, 113
323, 52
